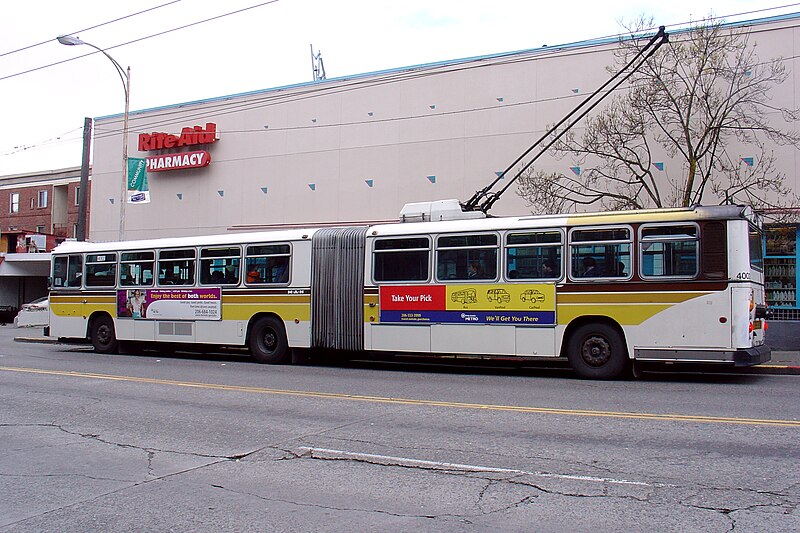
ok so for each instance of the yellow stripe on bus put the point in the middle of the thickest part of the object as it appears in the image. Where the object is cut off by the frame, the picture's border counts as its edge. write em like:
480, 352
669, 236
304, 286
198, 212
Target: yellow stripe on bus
624, 314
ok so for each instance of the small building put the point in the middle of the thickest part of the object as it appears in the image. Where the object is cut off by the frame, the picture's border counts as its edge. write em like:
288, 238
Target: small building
38, 211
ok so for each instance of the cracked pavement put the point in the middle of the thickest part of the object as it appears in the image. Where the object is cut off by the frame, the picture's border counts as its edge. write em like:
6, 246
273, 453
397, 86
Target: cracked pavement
83, 455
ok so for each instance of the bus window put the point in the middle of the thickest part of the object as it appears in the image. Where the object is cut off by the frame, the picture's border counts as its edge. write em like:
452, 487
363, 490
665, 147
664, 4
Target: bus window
176, 267
534, 255
136, 269
669, 251
466, 257
403, 259
220, 266
715, 250
267, 263
600, 253
101, 270
756, 252
67, 271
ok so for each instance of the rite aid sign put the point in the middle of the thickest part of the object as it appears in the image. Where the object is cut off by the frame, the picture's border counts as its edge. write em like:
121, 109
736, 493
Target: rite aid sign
178, 160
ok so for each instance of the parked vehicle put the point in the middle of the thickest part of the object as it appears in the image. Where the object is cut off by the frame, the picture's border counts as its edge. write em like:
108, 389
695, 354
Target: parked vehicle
33, 314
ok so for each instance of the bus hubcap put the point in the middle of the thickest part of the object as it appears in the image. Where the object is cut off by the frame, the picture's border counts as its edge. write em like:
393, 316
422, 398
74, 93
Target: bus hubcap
596, 351
270, 340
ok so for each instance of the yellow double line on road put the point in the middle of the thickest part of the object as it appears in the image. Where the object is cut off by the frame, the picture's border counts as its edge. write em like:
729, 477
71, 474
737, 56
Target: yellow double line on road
410, 401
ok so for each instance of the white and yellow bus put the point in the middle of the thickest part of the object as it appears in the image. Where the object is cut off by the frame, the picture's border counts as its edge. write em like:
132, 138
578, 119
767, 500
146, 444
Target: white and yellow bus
599, 289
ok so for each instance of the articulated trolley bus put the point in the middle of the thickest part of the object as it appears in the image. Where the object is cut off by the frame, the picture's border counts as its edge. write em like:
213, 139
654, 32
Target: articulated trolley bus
600, 289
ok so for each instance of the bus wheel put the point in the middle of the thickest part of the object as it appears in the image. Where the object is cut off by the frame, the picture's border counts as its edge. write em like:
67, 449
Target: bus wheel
268, 341
104, 339
597, 351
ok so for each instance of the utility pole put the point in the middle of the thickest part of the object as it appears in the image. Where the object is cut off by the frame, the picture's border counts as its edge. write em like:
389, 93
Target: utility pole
83, 190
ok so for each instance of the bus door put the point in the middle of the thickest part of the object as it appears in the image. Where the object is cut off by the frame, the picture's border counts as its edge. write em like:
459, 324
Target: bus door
67, 303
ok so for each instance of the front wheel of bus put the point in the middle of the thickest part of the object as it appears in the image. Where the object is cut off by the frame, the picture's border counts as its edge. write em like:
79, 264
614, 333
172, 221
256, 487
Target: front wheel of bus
597, 351
104, 338
268, 341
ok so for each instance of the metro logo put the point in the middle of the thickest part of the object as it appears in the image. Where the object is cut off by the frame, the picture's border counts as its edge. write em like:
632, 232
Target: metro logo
188, 137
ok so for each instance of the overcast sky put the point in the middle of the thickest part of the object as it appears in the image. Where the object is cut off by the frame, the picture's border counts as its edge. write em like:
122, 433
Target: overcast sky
263, 47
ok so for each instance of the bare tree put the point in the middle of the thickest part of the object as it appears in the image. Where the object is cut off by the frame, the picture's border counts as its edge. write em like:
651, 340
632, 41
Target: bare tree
699, 101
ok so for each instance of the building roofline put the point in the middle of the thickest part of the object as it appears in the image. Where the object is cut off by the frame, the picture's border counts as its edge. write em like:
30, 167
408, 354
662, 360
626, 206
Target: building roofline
681, 28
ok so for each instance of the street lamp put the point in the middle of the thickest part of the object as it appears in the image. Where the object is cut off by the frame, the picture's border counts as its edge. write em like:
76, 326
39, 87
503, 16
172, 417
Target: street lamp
125, 76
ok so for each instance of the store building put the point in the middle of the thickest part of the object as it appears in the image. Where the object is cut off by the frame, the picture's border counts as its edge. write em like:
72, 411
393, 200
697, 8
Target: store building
37, 212
360, 147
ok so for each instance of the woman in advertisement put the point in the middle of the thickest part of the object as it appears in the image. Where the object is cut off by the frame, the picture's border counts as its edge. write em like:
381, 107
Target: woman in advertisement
136, 303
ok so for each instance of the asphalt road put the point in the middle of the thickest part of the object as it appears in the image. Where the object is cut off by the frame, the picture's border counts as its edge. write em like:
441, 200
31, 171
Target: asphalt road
215, 442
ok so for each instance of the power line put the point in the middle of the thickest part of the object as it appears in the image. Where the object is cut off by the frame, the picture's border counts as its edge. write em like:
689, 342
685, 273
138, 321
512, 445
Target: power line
158, 34
90, 28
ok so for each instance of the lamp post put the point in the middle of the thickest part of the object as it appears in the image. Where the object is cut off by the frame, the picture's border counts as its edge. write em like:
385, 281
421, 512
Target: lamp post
125, 76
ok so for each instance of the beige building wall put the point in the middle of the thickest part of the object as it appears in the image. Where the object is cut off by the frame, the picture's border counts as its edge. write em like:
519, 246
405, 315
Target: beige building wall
460, 121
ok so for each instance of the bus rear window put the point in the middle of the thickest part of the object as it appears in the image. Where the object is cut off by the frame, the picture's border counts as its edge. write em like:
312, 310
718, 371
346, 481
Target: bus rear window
756, 251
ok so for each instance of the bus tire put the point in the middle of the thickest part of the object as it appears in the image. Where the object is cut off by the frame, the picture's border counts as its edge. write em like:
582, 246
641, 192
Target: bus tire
268, 342
597, 351
104, 338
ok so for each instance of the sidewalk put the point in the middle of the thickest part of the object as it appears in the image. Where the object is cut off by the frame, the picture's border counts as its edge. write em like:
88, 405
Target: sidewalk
782, 362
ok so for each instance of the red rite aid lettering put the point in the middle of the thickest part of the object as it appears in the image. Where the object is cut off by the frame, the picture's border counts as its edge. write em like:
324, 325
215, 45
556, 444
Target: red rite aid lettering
188, 137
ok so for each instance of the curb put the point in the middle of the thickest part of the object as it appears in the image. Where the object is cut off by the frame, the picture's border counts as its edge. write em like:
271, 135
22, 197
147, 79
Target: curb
786, 370
39, 340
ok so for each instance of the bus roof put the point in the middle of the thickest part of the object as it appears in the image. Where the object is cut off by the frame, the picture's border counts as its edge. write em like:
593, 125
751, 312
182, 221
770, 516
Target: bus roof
724, 212
69, 247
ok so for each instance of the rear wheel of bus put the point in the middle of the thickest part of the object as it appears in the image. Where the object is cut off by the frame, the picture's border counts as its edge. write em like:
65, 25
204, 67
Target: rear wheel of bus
268, 342
597, 351
104, 338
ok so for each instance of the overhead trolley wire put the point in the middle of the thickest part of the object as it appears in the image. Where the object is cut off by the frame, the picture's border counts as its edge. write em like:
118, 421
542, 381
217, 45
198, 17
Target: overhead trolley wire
90, 28
158, 34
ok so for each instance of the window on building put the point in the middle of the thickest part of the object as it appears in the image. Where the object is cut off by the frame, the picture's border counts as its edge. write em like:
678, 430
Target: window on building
220, 266
176, 267
600, 253
42, 199
136, 269
39, 229
534, 255
467, 257
101, 270
267, 263
402, 259
669, 250
14, 202
78, 195
67, 271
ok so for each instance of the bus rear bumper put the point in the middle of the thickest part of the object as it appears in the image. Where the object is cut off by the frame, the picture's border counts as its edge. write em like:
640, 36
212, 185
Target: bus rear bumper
742, 357
752, 356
